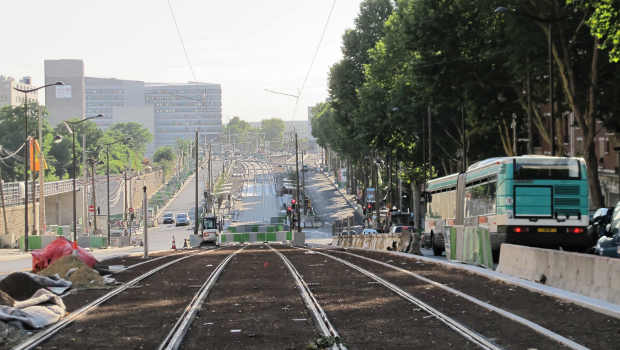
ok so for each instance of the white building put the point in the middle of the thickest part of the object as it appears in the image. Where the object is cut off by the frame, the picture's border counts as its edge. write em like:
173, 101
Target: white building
10, 97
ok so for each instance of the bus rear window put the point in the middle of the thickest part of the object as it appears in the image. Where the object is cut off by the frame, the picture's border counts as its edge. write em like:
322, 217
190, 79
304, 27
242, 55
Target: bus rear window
545, 168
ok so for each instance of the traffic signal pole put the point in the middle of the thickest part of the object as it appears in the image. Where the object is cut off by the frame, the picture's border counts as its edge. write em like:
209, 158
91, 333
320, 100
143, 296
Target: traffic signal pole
297, 178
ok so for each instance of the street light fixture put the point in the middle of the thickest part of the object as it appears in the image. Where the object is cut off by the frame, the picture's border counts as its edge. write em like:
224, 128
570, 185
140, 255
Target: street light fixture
27, 156
549, 22
70, 125
107, 171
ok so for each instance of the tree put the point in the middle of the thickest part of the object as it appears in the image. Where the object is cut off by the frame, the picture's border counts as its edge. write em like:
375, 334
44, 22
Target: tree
12, 137
604, 23
139, 137
273, 128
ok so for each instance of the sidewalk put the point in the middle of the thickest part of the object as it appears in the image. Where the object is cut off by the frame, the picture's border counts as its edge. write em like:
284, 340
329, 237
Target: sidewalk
16, 254
350, 198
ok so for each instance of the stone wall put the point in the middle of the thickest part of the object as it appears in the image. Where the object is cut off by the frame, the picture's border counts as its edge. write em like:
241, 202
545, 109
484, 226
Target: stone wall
15, 224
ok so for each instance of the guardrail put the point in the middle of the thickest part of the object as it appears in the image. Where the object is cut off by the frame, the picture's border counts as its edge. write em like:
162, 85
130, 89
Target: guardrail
14, 191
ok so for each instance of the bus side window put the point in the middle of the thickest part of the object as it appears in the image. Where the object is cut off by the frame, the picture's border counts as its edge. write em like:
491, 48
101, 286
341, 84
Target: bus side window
480, 199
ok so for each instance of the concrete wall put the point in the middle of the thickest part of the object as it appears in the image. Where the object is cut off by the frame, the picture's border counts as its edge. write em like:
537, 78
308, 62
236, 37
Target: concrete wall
589, 275
15, 224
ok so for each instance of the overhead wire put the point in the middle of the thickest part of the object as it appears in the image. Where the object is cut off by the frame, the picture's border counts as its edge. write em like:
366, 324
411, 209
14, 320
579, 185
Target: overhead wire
316, 53
189, 63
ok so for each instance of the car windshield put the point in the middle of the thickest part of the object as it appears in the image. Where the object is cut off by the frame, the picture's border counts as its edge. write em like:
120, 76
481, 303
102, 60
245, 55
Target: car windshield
181, 216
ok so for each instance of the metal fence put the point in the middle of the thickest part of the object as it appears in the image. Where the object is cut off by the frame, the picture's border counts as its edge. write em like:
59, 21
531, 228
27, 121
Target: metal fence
14, 191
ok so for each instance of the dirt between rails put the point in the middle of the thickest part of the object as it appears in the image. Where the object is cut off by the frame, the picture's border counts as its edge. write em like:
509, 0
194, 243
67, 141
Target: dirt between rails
366, 314
81, 297
140, 317
254, 305
584, 326
500, 330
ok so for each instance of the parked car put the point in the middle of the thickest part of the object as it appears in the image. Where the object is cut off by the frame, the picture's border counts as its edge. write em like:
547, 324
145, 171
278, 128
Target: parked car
609, 244
399, 229
182, 219
369, 231
167, 218
598, 223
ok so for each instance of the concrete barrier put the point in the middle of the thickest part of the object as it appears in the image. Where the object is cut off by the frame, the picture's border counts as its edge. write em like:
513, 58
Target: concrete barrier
590, 275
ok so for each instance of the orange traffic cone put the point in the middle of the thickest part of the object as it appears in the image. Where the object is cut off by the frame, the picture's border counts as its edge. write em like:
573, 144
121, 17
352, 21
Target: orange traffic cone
174, 245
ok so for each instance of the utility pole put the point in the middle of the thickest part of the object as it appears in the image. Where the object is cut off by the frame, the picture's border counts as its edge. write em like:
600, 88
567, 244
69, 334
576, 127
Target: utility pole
94, 197
297, 178
550, 54
107, 174
84, 187
42, 225
513, 126
6, 228
196, 194
146, 240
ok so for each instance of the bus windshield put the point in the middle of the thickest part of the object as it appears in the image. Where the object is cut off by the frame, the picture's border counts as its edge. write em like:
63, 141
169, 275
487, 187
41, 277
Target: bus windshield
545, 168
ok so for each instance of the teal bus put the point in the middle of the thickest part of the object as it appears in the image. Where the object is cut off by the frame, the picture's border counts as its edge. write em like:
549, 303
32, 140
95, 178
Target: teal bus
530, 200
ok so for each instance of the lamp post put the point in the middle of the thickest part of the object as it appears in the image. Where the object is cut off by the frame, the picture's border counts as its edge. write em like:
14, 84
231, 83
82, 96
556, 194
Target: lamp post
27, 157
549, 22
70, 125
107, 173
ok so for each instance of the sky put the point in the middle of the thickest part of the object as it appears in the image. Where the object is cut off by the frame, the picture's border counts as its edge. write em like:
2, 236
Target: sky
247, 46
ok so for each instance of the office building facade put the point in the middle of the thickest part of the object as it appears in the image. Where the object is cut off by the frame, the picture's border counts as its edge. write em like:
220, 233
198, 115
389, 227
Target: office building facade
181, 109
68, 100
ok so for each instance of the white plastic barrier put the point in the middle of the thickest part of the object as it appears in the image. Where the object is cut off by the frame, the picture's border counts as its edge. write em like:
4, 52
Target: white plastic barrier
589, 275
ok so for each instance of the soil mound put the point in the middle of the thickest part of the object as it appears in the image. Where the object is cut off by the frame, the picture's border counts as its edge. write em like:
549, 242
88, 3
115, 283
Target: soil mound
6, 299
19, 286
71, 268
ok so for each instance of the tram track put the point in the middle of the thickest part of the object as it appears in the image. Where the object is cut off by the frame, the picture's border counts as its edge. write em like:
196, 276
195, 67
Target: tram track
566, 324
107, 308
504, 313
312, 304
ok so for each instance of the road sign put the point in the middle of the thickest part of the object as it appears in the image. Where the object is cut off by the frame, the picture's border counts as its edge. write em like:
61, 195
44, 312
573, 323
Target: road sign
91, 208
131, 210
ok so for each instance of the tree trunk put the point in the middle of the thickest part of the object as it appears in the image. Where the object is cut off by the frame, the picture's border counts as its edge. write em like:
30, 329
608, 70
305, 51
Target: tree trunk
596, 196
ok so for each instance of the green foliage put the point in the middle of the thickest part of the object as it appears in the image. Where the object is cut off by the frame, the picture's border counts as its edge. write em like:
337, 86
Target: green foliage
273, 128
604, 23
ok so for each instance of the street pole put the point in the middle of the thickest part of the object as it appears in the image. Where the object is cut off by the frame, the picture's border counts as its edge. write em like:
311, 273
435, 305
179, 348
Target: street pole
85, 220
146, 240
297, 178
196, 194
529, 109
92, 174
74, 193
27, 166
550, 49
107, 174
5, 226
42, 224
513, 125
303, 180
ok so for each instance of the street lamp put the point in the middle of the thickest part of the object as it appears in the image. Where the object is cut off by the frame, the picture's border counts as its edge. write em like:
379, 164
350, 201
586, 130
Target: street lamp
107, 171
70, 125
549, 22
27, 157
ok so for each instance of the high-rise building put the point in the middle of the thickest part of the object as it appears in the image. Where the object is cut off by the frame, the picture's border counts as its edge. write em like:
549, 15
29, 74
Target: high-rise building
114, 98
10, 97
65, 101
181, 109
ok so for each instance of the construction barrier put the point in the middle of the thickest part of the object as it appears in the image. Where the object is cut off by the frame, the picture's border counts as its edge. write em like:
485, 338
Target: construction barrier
250, 237
470, 245
590, 275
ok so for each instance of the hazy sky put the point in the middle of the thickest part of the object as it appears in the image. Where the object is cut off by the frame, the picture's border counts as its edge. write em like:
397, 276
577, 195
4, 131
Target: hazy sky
245, 45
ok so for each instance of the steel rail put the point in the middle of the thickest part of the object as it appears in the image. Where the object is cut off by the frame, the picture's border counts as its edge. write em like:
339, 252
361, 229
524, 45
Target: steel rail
177, 333
534, 326
320, 318
464, 331
47, 333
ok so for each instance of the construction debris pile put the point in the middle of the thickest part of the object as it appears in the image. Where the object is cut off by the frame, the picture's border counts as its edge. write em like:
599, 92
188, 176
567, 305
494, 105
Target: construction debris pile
30, 301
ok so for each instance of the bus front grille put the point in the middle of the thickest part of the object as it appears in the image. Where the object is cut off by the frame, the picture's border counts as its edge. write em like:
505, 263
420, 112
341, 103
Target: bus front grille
564, 190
